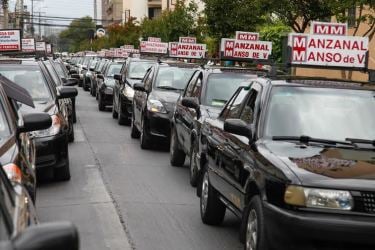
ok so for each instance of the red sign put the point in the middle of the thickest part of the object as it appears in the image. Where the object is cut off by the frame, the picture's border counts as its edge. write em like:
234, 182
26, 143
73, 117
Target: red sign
188, 40
323, 28
247, 36
325, 50
187, 50
154, 39
10, 40
245, 49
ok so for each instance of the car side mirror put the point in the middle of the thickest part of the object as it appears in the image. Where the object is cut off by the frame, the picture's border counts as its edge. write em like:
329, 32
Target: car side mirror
70, 82
117, 77
67, 92
35, 121
56, 236
238, 127
73, 71
191, 102
139, 87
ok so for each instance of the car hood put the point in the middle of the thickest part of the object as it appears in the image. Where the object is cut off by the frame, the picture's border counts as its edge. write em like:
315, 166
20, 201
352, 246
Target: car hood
168, 98
329, 167
47, 107
211, 112
131, 82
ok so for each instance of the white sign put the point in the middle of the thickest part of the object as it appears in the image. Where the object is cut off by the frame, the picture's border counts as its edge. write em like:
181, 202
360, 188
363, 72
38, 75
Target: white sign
188, 40
49, 48
121, 53
328, 50
154, 39
245, 49
10, 40
247, 36
324, 28
109, 53
100, 32
154, 47
28, 45
40, 46
187, 50
127, 47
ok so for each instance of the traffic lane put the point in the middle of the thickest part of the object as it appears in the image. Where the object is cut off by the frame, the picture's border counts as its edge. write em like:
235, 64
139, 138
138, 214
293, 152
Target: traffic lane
157, 204
83, 200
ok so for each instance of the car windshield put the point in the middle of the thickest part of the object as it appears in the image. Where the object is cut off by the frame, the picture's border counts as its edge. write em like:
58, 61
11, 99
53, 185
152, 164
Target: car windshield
171, 78
60, 70
93, 64
30, 78
220, 88
137, 70
4, 126
113, 69
52, 72
334, 114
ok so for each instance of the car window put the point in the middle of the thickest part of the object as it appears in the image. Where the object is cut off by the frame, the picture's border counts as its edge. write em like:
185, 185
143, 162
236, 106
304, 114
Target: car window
247, 114
137, 70
197, 88
113, 69
148, 79
220, 87
60, 70
29, 77
173, 78
190, 87
52, 72
233, 109
4, 125
326, 113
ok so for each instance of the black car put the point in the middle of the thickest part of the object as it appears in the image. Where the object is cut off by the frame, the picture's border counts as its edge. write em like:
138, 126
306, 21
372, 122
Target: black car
88, 66
294, 159
98, 70
204, 97
132, 72
106, 83
52, 153
154, 102
17, 148
18, 223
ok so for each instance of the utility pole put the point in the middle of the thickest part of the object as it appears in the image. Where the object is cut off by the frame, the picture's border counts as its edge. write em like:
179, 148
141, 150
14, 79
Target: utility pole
32, 18
95, 11
5, 13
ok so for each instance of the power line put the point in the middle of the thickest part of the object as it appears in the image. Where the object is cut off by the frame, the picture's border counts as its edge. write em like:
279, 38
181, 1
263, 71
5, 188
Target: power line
66, 18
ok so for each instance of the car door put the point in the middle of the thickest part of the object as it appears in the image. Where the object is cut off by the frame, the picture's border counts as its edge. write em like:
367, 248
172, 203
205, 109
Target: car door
118, 87
182, 127
140, 98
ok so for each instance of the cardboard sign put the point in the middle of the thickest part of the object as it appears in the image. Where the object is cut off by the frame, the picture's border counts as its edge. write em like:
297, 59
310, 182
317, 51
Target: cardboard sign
187, 50
324, 28
247, 36
49, 48
245, 49
328, 50
154, 47
10, 40
188, 40
28, 45
40, 46
154, 39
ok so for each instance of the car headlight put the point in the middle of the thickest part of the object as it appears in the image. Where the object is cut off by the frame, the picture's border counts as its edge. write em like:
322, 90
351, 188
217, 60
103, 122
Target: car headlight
53, 130
318, 198
156, 106
129, 92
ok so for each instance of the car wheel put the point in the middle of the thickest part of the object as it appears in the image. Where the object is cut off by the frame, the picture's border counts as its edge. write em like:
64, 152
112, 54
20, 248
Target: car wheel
122, 120
85, 87
63, 173
212, 209
193, 165
114, 112
92, 89
177, 156
255, 226
134, 131
101, 105
145, 137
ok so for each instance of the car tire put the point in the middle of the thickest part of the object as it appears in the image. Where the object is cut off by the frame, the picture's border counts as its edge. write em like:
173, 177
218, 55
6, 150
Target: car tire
193, 165
211, 207
101, 105
121, 119
63, 173
92, 93
145, 137
85, 87
255, 226
134, 132
177, 156
114, 112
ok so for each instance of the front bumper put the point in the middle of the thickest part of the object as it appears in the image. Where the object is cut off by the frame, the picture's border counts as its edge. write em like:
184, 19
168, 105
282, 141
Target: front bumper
52, 151
302, 228
159, 125
126, 107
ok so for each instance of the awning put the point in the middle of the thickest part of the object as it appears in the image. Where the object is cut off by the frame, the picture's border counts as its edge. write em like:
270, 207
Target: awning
16, 92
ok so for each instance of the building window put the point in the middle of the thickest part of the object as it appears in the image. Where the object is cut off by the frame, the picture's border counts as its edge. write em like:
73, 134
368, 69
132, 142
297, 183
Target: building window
154, 12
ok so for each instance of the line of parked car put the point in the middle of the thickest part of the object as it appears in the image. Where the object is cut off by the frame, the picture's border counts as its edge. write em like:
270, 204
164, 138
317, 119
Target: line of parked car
293, 158
37, 104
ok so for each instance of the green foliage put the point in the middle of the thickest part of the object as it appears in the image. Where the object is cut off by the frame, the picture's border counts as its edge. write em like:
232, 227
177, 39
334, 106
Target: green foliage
275, 33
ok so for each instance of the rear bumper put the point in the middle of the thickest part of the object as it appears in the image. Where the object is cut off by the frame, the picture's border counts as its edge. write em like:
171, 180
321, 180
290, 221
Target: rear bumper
52, 151
301, 228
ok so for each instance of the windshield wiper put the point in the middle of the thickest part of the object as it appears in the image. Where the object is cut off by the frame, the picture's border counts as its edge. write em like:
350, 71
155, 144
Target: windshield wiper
168, 88
307, 139
361, 141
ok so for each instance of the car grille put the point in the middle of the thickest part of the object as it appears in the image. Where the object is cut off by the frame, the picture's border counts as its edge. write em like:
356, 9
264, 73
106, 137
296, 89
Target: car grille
365, 202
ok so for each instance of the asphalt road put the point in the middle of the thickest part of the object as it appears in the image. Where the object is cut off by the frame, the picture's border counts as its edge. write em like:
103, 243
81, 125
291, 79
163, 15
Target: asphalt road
123, 197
